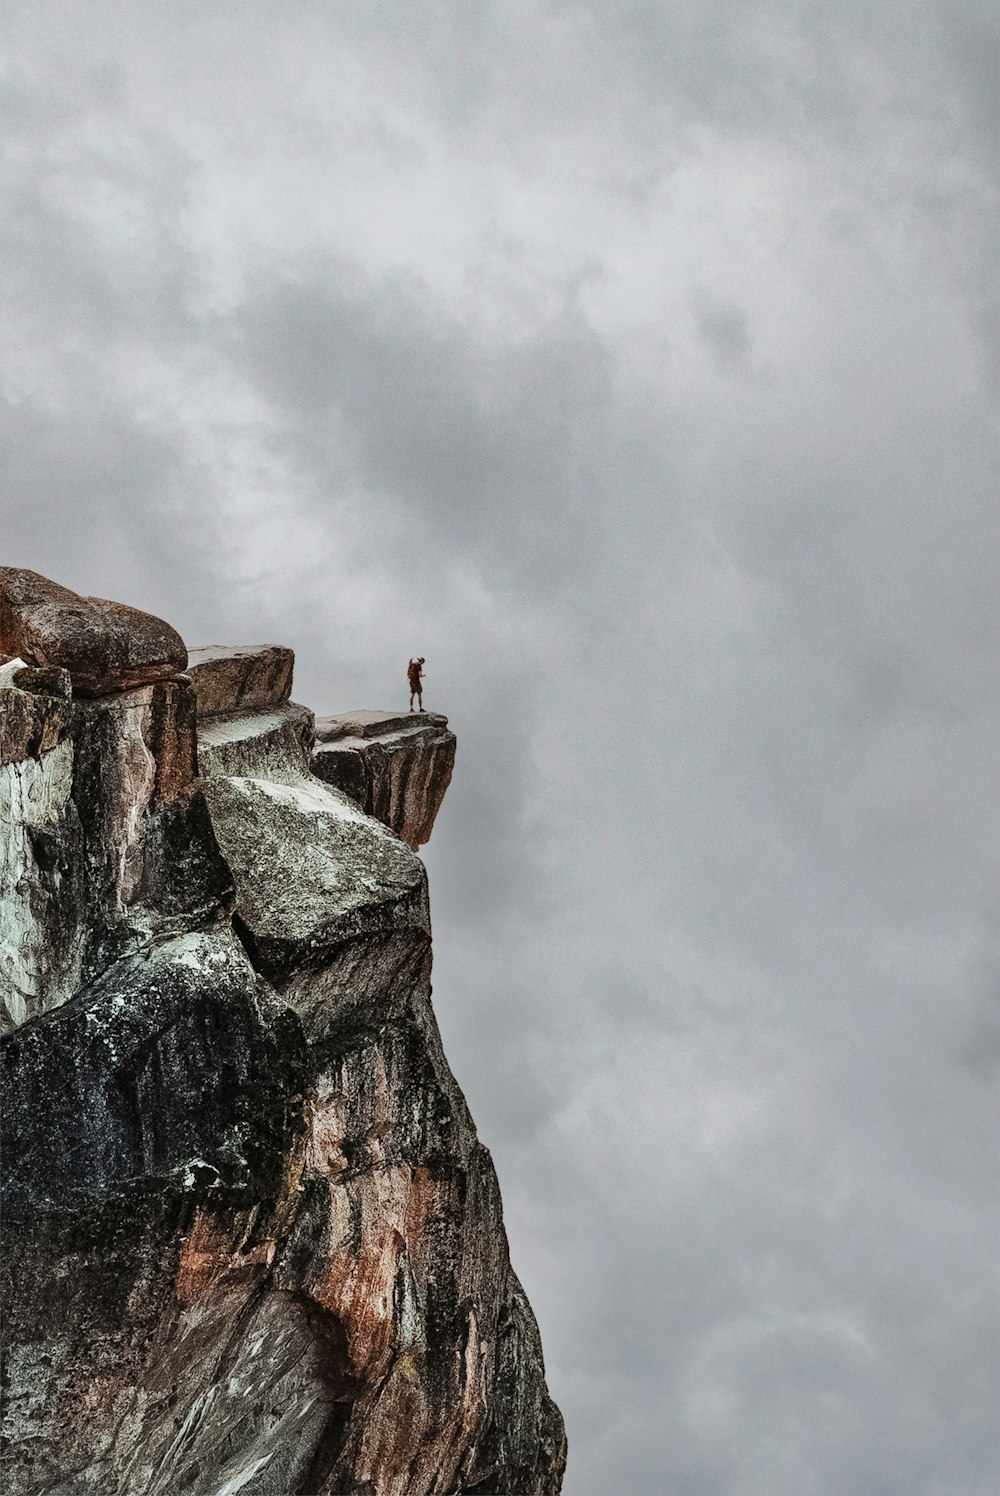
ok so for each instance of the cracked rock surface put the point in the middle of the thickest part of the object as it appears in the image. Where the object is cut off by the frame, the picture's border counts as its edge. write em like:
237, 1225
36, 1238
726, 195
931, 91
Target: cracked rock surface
252, 1242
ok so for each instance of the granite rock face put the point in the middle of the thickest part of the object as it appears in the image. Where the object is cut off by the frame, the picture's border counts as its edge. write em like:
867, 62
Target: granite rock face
273, 741
397, 767
252, 1242
240, 678
105, 838
105, 646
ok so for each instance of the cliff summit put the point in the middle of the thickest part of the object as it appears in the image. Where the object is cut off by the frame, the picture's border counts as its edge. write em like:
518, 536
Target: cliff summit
252, 1242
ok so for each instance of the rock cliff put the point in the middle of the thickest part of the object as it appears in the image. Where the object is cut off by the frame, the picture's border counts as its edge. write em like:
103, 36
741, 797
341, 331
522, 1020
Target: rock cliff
252, 1242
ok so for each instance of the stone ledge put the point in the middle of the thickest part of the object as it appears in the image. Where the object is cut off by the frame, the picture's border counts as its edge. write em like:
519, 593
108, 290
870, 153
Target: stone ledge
240, 677
374, 724
267, 743
396, 767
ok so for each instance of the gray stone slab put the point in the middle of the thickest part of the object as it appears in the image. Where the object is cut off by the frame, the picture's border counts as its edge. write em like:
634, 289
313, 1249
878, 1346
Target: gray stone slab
375, 724
237, 677
399, 776
267, 743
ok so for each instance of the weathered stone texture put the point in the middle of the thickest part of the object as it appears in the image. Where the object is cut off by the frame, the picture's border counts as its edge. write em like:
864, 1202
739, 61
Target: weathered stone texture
106, 841
105, 646
33, 721
271, 743
396, 767
252, 1241
179, 1052
241, 677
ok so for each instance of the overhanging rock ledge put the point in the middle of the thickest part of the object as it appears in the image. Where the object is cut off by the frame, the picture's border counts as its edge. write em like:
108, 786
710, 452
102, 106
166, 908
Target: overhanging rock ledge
252, 1242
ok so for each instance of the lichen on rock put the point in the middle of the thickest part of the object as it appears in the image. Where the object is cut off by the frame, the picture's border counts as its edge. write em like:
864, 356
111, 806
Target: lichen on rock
252, 1240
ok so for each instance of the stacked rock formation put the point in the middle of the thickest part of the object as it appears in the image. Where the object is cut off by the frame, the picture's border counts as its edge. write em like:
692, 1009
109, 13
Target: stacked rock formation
252, 1242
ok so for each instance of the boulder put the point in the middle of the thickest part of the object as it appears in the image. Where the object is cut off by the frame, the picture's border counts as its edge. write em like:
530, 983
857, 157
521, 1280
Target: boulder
336, 960
105, 646
240, 677
31, 721
312, 873
395, 766
176, 1053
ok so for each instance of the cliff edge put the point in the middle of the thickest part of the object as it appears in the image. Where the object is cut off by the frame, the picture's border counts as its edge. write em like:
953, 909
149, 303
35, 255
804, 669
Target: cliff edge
252, 1243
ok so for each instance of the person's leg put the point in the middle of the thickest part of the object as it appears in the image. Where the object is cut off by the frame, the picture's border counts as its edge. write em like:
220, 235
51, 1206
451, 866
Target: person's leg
420, 698
412, 694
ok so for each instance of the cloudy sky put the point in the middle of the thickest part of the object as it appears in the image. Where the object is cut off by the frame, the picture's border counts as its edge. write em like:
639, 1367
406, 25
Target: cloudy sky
638, 363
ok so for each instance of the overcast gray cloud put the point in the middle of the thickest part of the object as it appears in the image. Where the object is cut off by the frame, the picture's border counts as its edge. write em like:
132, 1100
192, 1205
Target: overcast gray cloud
638, 363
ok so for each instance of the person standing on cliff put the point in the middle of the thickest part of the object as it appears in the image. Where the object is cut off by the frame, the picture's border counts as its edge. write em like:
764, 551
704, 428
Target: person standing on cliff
414, 674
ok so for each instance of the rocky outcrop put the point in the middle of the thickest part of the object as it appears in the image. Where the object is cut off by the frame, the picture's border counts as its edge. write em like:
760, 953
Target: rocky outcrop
252, 1241
240, 679
105, 646
265, 744
397, 767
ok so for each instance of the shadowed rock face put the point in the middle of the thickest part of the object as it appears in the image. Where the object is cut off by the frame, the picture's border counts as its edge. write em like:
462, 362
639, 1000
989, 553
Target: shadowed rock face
252, 1242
